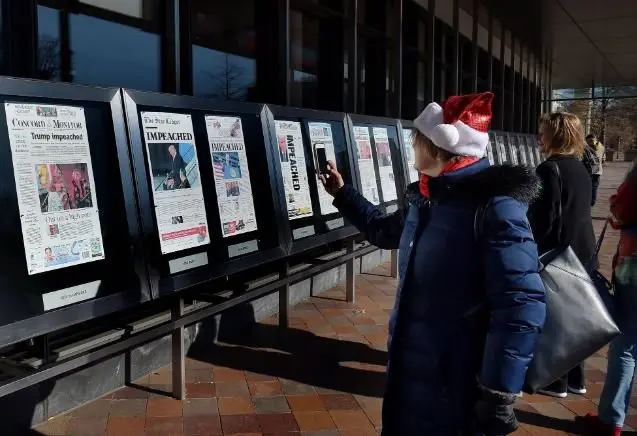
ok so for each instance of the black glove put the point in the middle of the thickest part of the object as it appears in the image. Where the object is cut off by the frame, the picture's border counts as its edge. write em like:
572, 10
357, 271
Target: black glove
493, 413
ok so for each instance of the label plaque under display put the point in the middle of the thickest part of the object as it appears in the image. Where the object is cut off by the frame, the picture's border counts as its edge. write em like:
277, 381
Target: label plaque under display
243, 248
73, 294
335, 223
175, 181
303, 232
55, 186
187, 262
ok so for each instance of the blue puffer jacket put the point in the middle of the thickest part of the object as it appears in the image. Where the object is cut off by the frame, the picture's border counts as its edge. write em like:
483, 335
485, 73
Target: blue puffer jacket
439, 344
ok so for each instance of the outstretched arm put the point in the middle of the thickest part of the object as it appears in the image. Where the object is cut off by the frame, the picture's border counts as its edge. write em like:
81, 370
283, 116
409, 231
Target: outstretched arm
381, 230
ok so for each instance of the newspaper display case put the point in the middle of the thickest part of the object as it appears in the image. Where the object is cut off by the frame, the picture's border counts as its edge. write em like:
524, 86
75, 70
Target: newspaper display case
501, 155
210, 204
379, 162
522, 150
491, 150
512, 148
70, 229
299, 135
530, 145
410, 174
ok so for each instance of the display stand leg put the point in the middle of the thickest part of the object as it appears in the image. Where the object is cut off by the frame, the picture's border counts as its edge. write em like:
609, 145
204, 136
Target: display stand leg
178, 358
394, 264
350, 277
284, 298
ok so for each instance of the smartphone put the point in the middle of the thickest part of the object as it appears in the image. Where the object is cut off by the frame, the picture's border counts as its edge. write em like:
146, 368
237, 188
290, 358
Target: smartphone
321, 158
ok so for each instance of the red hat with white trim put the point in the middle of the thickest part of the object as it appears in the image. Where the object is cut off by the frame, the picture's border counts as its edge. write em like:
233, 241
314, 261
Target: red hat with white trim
460, 125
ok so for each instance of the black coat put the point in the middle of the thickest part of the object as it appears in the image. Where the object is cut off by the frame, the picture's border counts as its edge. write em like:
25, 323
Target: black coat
575, 228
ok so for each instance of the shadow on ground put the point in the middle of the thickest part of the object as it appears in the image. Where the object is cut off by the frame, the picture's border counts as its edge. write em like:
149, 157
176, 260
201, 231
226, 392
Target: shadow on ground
291, 354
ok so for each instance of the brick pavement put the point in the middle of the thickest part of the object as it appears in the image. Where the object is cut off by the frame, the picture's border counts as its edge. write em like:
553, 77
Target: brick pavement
322, 376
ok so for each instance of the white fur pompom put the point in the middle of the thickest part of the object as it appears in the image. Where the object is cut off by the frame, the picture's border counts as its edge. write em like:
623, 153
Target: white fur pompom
445, 136
429, 118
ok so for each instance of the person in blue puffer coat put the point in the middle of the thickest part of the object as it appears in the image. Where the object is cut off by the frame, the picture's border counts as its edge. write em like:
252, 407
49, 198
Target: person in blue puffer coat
470, 302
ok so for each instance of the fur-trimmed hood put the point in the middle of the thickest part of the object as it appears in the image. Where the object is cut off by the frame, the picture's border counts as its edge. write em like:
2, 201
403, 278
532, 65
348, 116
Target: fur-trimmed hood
479, 182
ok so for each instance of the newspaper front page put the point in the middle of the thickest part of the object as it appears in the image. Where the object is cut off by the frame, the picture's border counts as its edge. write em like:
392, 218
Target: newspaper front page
411, 158
385, 166
293, 169
501, 149
232, 177
490, 146
55, 186
366, 164
321, 134
176, 183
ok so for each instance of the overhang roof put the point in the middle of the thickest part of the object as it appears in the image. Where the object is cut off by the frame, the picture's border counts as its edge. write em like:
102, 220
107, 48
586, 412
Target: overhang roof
592, 40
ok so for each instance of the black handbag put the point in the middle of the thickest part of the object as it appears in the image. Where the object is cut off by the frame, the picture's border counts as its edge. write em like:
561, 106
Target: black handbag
578, 322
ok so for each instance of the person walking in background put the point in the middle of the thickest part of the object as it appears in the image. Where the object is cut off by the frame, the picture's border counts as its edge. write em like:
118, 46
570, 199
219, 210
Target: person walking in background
594, 158
622, 354
561, 216
470, 304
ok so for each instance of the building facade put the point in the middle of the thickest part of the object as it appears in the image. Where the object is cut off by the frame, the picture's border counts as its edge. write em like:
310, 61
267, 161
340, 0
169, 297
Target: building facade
375, 57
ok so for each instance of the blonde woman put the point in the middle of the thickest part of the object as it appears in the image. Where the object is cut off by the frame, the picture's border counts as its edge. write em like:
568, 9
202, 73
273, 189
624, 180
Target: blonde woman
455, 367
561, 216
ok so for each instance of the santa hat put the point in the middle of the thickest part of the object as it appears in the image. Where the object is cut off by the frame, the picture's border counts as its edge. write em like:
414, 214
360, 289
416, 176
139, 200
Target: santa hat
460, 125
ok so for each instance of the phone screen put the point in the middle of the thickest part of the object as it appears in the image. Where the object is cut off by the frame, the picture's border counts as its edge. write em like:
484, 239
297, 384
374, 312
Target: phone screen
321, 158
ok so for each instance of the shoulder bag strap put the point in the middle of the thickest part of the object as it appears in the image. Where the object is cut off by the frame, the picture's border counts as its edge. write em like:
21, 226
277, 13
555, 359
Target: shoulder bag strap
556, 167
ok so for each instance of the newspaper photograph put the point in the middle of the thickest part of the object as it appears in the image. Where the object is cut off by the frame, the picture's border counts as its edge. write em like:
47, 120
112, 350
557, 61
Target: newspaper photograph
294, 169
55, 187
321, 135
409, 153
176, 184
366, 164
385, 166
232, 177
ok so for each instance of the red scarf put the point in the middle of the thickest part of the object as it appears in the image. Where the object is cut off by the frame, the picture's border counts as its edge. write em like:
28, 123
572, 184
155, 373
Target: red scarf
451, 166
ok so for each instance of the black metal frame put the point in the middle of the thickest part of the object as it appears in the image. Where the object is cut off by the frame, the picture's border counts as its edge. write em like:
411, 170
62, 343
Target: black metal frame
167, 284
99, 306
130, 339
397, 156
404, 125
320, 238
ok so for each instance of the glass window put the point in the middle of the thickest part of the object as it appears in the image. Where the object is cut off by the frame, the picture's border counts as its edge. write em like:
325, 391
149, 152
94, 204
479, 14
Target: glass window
224, 49
107, 43
48, 56
3, 41
109, 53
317, 60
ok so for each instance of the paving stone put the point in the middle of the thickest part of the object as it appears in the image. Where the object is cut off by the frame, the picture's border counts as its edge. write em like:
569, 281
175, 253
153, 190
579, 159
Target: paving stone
277, 423
235, 406
313, 421
202, 425
200, 407
237, 424
163, 426
128, 408
164, 408
131, 426
269, 405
